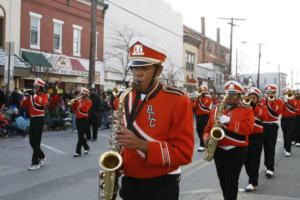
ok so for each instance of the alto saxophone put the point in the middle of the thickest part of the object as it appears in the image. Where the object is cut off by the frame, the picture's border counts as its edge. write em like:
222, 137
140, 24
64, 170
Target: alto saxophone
111, 161
216, 133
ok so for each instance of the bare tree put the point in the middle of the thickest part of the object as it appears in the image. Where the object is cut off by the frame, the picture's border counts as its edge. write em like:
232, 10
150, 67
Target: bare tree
118, 50
170, 75
242, 66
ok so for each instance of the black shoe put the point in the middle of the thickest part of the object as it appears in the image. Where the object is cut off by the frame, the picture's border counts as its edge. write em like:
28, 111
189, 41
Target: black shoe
88, 139
94, 139
75, 155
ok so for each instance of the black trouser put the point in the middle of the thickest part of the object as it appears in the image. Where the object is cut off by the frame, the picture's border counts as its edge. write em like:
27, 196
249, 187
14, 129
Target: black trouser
35, 138
270, 138
82, 125
252, 162
287, 126
296, 132
229, 164
160, 188
201, 121
93, 121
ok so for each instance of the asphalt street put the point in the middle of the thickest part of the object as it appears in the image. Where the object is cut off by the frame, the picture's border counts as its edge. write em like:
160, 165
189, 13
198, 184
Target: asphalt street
67, 178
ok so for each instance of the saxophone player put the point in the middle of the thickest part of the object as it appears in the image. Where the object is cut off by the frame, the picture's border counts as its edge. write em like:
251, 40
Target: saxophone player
158, 129
288, 119
271, 125
255, 139
237, 122
202, 108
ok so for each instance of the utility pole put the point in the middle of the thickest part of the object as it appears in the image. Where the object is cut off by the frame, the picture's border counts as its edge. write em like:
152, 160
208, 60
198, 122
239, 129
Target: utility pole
236, 64
292, 79
92, 44
231, 23
279, 81
258, 70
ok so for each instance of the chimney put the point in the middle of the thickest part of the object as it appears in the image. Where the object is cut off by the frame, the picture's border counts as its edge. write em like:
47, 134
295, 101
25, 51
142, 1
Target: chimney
203, 25
218, 35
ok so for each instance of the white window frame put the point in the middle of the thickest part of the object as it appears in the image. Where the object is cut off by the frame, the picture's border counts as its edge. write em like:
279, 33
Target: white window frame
58, 22
77, 28
38, 17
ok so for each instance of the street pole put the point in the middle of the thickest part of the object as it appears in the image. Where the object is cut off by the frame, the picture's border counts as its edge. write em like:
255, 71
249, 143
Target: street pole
292, 79
8, 76
258, 72
279, 81
236, 64
92, 44
231, 23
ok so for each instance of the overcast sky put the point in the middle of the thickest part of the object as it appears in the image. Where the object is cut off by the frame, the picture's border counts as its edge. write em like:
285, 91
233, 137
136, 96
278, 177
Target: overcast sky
275, 23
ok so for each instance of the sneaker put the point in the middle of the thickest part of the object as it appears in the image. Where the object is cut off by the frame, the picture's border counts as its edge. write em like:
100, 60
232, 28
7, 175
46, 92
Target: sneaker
76, 155
86, 151
201, 148
297, 144
42, 161
287, 154
34, 167
250, 188
293, 142
269, 174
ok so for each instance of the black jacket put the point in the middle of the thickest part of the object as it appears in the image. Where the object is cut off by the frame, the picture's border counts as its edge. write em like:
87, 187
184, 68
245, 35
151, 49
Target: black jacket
96, 106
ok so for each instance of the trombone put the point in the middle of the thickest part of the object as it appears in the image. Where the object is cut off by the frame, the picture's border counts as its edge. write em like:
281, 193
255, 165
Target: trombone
70, 102
290, 95
271, 97
246, 100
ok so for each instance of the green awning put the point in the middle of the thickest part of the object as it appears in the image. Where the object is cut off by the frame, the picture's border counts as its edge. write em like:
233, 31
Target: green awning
35, 59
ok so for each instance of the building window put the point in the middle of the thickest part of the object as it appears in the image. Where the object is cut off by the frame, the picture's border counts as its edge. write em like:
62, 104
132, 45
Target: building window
76, 40
57, 36
35, 28
190, 61
209, 46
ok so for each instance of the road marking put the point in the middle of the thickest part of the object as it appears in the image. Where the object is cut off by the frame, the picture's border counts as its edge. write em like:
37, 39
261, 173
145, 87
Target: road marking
199, 191
192, 170
53, 149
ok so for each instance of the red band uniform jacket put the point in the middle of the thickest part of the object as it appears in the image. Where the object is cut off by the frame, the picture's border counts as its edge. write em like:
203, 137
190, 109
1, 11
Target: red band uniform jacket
81, 108
237, 130
274, 109
36, 104
260, 115
297, 111
289, 108
165, 120
203, 105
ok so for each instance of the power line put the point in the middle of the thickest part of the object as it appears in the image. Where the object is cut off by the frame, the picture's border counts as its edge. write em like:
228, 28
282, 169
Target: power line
157, 25
231, 23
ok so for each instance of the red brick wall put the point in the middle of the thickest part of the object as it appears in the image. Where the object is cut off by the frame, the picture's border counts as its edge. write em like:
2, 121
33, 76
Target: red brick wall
78, 14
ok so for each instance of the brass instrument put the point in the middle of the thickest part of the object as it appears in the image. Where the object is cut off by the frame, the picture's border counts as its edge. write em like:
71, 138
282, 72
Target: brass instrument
246, 100
70, 102
271, 97
115, 92
289, 95
110, 161
216, 133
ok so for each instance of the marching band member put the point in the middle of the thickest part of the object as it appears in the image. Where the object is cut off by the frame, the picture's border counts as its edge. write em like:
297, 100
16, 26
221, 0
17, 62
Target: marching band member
35, 101
158, 136
81, 106
202, 108
255, 139
288, 119
296, 135
271, 125
237, 122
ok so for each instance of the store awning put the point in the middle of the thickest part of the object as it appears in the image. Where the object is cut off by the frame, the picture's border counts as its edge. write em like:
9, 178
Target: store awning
76, 65
36, 59
18, 62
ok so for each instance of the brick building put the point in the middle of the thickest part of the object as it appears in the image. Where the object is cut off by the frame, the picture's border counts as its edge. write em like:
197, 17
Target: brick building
55, 40
203, 53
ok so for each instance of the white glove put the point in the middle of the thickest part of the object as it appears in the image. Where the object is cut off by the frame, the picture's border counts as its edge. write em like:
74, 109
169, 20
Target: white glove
285, 99
224, 119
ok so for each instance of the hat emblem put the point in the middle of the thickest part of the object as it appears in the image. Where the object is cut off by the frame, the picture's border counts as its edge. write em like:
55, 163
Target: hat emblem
138, 50
231, 86
269, 88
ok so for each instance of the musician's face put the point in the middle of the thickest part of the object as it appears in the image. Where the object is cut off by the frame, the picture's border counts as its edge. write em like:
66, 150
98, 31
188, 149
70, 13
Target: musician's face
253, 98
143, 75
232, 99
